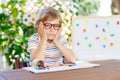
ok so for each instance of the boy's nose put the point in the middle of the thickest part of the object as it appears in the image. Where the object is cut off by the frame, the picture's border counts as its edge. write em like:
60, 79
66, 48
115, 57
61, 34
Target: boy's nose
51, 29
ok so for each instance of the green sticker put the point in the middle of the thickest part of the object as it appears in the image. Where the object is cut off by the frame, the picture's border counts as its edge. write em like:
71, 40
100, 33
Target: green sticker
77, 25
108, 22
89, 45
112, 35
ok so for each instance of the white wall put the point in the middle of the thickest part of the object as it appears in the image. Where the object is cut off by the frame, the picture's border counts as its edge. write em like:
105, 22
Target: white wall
105, 8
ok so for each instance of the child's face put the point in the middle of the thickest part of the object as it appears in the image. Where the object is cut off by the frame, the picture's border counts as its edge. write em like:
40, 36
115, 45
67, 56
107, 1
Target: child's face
52, 27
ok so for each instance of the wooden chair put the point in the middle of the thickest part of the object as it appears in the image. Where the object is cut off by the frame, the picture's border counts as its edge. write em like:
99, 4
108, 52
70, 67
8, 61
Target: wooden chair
21, 64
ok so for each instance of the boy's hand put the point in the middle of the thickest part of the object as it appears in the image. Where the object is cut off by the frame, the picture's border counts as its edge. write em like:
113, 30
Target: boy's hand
41, 31
57, 35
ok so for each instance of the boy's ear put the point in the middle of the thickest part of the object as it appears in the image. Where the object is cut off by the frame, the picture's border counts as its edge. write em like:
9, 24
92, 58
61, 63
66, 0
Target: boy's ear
36, 27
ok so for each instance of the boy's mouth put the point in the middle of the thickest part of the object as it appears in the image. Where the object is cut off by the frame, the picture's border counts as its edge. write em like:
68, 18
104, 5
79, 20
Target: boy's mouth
51, 35
49, 40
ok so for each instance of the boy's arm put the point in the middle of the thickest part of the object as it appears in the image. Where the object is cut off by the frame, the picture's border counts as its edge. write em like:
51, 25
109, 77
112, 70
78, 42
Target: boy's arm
39, 53
68, 53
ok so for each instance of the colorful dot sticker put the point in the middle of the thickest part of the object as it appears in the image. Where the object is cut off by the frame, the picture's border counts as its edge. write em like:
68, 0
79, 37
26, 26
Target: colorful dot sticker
90, 45
108, 23
112, 35
78, 43
86, 38
118, 22
105, 38
111, 43
86, 21
77, 25
96, 26
104, 46
103, 30
97, 38
84, 30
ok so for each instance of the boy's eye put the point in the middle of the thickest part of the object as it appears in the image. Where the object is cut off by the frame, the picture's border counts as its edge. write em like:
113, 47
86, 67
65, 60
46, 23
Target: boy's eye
56, 26
47, 26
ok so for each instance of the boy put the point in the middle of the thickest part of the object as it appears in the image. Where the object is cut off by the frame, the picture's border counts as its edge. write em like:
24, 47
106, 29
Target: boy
47, 44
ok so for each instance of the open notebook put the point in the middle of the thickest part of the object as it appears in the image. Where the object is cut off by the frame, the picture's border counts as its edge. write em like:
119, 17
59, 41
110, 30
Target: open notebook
77, 65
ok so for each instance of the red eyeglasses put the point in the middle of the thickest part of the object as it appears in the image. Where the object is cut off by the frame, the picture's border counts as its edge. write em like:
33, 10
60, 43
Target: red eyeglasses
49, 25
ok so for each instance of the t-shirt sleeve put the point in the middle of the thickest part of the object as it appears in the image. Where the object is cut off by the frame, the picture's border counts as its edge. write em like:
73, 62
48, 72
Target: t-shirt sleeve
64, 41
33, 42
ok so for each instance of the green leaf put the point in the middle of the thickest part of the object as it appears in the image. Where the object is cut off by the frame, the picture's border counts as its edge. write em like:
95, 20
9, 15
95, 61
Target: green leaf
77, 13
88, 3
74, 0
3, 17
80, 0
3, 6
25, 41
18, 48
7, 58
20, 32
14, 1
22, 2
15, 13
9, 3
40, 1
18, 39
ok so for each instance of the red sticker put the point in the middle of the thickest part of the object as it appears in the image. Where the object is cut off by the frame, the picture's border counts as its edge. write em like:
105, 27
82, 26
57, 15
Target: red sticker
97, 38
118, 22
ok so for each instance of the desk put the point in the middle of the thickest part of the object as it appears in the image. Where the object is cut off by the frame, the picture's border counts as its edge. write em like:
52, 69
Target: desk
109, 70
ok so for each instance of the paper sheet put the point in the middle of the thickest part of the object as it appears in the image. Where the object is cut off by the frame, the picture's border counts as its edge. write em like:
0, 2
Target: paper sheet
77, 65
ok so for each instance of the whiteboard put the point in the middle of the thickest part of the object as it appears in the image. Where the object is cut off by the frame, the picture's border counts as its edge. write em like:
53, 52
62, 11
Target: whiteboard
96, 35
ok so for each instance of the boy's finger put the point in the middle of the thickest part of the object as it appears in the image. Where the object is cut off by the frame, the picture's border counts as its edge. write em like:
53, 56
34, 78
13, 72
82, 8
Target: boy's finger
60, 30
44, 30
41, 26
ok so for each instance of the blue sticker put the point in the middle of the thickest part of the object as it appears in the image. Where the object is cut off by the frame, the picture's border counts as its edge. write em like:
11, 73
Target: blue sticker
96, 26
104, 46
103, 30
86, 38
